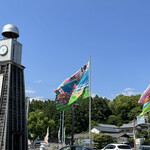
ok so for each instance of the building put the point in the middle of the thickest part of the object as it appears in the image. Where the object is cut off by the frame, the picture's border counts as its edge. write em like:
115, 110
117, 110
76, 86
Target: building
105, 128
13, 126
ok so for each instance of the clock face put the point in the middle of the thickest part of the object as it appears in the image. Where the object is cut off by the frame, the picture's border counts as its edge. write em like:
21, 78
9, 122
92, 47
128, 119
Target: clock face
3, 50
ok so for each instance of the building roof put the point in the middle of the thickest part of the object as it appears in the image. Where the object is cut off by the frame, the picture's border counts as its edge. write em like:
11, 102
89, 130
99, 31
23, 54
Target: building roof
107, 129
107, 125
129, 125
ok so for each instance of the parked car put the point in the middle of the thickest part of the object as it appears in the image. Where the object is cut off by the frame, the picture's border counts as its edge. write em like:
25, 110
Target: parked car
75, 147
117, 147
144, 147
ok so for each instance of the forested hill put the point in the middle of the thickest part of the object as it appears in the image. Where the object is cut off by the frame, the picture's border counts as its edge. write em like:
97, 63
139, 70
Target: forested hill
122, 109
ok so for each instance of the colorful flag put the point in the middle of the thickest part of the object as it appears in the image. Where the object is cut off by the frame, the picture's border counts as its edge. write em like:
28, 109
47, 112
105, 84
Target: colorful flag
74, 88
59, 136
46, 137
145, 100
64, 134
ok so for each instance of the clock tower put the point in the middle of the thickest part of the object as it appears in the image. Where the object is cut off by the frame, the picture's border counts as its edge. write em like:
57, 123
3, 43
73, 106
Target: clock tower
13, 126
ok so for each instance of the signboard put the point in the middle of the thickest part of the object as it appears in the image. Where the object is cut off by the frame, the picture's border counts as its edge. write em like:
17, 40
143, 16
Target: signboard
141, 120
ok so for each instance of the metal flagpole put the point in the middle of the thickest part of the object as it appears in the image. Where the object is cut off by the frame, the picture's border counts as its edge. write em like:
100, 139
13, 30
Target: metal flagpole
62, 127
90, 144
72, 136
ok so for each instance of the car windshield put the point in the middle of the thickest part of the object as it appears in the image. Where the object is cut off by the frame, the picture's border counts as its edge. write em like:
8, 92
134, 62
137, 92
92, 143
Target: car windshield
75, 148
110, 147
124, 147
72, 148
145, 148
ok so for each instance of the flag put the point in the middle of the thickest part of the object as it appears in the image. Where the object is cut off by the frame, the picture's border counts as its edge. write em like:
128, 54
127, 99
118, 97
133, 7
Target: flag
59, 136
72, 89
64, 134
46, 137
145, 100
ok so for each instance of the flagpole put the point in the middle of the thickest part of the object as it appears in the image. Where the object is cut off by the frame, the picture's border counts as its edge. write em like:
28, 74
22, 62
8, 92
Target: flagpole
72, 136
62, 127
90, 144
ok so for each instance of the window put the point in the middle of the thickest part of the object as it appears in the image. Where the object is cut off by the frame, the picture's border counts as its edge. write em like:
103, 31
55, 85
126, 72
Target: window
110, 147
72, 148
145, 148
124, 147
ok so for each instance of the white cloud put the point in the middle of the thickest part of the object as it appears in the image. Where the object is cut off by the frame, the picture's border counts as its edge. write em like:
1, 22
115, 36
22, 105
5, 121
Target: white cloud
126, 92
93, 94
129, 92
111, 97
128, 89
30, 91
37, 98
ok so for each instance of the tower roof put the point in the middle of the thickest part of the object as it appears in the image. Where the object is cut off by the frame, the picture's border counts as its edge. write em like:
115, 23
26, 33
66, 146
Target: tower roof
10, 31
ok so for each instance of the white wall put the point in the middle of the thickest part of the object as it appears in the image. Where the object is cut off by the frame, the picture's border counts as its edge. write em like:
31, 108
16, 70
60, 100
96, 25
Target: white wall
94, 130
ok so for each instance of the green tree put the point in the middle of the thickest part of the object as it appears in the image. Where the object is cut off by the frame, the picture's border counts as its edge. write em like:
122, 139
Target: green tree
99, 114
100, 110
94, 123
125, 108
102, 140
114, 120
37, 125
122, 109
35, 105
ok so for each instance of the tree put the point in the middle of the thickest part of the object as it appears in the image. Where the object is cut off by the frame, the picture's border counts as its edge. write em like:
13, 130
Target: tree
102, 140
99, 114
122, 109
100, 109
37, 125
125, 108
114, 120
94, 123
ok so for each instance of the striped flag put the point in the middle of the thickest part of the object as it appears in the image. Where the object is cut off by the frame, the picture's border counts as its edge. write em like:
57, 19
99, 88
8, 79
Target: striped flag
64, 134
145, 100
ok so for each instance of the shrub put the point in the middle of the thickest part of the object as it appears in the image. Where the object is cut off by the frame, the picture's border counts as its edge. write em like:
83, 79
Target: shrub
102, 140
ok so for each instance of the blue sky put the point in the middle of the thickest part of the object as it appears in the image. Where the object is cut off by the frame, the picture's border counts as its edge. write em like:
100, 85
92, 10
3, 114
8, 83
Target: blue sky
59, 36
